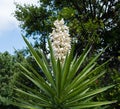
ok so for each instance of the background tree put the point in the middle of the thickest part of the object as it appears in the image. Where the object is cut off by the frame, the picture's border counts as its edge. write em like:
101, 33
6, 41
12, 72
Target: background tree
91, 21
7, 70
10, 75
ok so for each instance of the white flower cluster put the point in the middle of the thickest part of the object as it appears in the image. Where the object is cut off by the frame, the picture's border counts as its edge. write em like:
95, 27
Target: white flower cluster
61, 42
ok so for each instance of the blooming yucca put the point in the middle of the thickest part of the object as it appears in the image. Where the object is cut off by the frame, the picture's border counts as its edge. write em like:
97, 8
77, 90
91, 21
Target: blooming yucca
61, 87
61, 42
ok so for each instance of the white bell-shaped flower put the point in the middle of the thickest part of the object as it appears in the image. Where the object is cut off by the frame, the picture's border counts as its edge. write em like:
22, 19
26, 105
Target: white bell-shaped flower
61, 41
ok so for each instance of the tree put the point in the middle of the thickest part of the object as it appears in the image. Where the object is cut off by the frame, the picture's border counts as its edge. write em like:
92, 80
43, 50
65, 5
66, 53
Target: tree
7, 70
6, 67
90, 21
9, 75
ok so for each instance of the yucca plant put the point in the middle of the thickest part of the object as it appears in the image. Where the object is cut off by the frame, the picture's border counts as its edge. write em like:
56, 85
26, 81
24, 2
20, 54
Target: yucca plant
64, 85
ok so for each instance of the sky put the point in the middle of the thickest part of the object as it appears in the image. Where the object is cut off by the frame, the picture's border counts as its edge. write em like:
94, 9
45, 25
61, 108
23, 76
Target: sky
10, 33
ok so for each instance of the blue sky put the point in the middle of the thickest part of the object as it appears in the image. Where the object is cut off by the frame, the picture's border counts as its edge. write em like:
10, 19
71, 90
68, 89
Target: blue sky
10, 33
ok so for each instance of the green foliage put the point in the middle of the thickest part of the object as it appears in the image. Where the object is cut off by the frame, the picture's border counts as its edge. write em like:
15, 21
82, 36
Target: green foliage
7, 70
38, 19
112, 78
6, 67
94, 21
63, 88
67, 12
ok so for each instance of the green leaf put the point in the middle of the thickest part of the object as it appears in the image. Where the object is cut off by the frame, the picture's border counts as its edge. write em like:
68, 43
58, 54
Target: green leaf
74, 68
66, 67
58, 78
52, 60
80, 78
90, 104
77, 90
88, 94
31, 90
41, 63
42, 100
28, 103
42, 85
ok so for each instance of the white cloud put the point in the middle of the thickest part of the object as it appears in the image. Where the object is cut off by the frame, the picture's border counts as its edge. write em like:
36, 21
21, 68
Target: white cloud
7, 7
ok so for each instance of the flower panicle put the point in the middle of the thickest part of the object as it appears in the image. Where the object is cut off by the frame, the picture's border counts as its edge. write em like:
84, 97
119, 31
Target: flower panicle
61, 41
